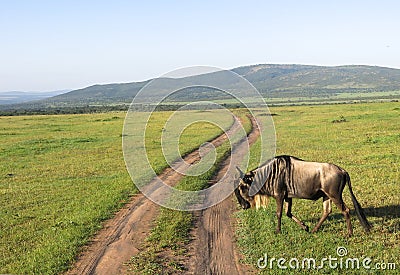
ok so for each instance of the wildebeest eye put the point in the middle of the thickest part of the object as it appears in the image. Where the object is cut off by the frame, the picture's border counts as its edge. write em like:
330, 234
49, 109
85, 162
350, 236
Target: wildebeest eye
248, 179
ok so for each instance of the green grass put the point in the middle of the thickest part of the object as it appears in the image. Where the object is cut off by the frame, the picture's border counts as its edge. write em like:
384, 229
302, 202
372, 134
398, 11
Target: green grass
367, 146
189, 136
321, 98
343, 97
56, 187
60, 177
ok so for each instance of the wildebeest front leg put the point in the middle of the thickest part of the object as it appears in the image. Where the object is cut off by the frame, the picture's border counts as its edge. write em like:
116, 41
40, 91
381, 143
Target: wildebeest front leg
288, 205
326, 211
279, 207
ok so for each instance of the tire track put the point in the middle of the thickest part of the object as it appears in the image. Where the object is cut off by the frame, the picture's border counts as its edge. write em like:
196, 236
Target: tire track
213, 250
123, 235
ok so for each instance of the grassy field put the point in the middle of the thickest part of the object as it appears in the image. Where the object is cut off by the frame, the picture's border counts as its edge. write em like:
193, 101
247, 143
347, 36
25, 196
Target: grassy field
342, 97
60, 177
365, 140
336, 98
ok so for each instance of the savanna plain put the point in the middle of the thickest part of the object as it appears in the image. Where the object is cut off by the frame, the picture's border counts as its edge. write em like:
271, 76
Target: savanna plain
61, 176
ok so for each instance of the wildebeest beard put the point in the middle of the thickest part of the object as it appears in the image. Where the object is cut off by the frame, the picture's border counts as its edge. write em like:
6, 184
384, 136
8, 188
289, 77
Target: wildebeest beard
242, 192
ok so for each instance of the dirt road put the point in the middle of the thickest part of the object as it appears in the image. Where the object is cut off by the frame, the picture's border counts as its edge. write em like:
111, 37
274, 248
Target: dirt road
123, 235
213, 250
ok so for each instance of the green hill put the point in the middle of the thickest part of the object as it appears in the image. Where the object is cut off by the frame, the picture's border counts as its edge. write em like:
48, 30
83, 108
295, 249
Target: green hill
300, 80
274, 82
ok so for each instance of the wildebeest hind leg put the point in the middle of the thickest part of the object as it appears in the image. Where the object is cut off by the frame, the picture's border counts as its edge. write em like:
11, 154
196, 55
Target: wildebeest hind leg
327, 209
346, 213
288, 205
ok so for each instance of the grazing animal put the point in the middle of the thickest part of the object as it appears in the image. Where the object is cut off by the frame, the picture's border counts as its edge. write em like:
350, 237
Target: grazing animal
287, 177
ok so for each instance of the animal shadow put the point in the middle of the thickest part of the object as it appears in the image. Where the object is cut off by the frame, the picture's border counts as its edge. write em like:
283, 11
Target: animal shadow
389, 214
389, 211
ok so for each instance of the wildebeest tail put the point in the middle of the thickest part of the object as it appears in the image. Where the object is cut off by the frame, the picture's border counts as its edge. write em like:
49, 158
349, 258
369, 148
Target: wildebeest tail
359, 211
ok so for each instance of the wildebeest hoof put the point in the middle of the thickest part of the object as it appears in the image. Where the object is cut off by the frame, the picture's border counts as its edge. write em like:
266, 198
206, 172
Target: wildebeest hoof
306, 228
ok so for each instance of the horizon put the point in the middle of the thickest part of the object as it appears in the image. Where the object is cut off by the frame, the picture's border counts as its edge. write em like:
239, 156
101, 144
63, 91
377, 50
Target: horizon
68, 45
61, 91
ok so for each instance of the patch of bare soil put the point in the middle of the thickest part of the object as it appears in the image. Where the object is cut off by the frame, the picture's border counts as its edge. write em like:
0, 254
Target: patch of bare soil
122, 236
213, 249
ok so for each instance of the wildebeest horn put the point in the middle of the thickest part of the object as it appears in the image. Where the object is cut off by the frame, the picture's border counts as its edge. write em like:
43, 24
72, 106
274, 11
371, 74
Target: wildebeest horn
240, 171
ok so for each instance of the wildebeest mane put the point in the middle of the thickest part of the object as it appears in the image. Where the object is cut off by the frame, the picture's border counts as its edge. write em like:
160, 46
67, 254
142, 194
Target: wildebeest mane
274, 173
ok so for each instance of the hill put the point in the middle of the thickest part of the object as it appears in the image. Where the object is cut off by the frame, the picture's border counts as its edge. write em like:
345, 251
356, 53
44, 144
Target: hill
274, 81
300, 80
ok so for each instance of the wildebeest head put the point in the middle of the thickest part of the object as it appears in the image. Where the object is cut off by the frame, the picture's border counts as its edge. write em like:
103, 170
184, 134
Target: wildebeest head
242, 191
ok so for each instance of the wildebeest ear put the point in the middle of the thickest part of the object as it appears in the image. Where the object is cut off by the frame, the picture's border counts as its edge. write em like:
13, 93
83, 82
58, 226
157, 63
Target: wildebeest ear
240, 171
255, 188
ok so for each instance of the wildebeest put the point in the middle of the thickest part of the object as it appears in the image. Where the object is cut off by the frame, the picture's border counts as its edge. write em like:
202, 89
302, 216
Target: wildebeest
287, 177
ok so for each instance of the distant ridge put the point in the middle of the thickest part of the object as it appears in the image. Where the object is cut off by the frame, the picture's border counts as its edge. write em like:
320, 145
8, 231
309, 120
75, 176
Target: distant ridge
20, 97
272, 80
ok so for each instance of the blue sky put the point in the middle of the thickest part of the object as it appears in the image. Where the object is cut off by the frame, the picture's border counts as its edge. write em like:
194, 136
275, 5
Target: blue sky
55, 45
